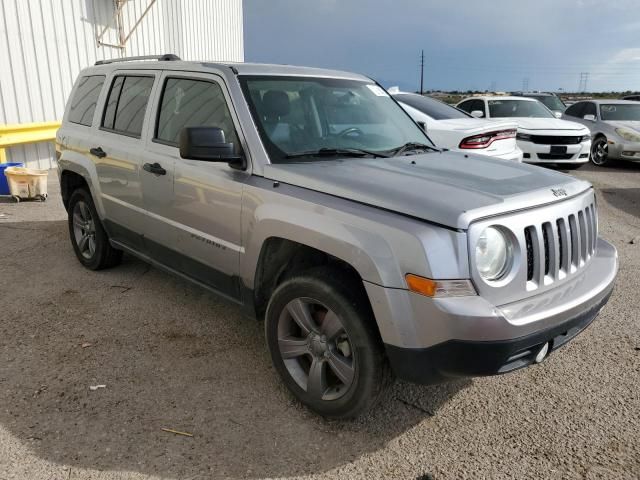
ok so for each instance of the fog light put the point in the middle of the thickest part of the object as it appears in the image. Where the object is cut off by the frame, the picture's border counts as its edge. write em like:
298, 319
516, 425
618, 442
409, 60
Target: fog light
542, 353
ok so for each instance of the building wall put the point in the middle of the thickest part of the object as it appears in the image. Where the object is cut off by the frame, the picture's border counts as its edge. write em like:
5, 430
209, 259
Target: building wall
45, 43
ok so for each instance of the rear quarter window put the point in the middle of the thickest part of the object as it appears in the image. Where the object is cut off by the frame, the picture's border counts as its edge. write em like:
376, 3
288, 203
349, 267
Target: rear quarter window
85, 98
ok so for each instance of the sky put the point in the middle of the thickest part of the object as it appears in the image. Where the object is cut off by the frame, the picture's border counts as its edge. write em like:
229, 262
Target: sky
468, 44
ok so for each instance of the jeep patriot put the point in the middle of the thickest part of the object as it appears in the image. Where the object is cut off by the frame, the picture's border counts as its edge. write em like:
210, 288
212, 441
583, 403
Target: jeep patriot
312, 200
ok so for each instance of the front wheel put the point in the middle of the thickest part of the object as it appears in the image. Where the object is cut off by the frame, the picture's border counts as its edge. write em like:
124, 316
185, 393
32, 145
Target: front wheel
88, 237
600, 151
323, 342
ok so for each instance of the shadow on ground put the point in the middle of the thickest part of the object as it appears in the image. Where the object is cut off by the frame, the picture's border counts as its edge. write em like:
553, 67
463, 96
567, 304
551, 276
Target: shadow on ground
624, 199
171, 356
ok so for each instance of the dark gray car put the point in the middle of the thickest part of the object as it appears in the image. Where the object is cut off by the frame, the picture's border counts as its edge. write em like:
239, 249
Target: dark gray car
614, 126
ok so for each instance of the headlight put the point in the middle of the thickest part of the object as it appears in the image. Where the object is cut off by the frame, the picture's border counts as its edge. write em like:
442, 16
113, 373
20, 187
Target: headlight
628, 135
493, 254
585, 137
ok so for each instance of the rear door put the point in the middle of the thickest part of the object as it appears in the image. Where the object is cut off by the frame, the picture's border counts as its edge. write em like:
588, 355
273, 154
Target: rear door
194, 208
118, 153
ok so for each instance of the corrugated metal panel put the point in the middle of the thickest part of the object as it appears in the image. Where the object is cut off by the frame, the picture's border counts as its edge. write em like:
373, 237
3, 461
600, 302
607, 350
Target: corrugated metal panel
44, 44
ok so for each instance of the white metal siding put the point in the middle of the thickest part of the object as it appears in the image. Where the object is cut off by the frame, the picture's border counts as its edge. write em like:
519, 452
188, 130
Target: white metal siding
45, 43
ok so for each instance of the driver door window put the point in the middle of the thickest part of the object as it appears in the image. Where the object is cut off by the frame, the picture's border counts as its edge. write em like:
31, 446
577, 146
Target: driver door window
589, 109
192, 103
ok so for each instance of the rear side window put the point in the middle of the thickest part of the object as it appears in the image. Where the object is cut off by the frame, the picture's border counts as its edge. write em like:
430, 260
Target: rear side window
575, 110
127, 104
85, 98
192, 103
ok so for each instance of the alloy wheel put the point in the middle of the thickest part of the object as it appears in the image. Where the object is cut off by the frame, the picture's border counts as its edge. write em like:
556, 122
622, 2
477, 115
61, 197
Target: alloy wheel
599, 151
84, 229
316, 349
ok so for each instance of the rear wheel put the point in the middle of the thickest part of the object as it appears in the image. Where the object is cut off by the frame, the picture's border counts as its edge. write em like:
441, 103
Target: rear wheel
323, 342
88, 237
600, 151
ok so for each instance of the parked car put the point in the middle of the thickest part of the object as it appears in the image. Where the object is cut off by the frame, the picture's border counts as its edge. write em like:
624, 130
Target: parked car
543, 138
635, 97
449, 127
549, 100
312, 200
614, 126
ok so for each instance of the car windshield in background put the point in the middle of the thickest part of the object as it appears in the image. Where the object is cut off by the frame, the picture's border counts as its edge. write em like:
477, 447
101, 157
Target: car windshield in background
620, 112
429, 106
306, 117
518, 108
551, 102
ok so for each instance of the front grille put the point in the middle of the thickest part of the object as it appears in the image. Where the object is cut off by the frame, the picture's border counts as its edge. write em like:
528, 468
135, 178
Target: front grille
556, 140
559, 248
555, 156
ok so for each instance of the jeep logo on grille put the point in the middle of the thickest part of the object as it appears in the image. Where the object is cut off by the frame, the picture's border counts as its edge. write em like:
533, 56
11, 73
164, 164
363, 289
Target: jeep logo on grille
559, 192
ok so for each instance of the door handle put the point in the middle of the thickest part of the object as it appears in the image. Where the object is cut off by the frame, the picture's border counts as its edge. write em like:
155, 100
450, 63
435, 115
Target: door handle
154, 168
98, 152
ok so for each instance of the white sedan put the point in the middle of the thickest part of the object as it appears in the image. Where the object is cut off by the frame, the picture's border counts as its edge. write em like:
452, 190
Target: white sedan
451, 128
541, 136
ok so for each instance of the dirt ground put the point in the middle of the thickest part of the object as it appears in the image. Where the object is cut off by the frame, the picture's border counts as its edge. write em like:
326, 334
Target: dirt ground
172, 356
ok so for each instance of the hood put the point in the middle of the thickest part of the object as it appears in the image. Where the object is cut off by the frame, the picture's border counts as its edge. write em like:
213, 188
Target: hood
527, 123
447, 188
633, 125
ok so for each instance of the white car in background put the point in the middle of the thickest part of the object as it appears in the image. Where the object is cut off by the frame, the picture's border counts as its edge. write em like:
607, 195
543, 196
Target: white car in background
542, 137
454, 129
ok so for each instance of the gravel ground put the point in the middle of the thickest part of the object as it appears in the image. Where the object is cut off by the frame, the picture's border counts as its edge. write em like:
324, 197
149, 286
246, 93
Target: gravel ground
172, 356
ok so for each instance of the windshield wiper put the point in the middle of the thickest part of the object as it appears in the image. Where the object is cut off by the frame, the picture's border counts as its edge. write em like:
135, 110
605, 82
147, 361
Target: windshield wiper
333, 152
412, 146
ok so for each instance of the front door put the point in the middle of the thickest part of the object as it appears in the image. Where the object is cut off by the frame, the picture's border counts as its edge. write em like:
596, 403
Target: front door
194, 206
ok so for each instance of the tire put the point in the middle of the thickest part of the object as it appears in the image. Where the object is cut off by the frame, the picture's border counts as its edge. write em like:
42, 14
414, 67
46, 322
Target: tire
600, 152
341, 334
88, 237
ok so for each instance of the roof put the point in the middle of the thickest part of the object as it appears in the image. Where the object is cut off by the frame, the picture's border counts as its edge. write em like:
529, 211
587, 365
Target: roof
609, 101
240, 68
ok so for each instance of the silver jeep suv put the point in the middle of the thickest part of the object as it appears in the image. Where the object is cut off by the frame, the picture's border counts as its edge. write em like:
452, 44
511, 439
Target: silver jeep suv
312, 200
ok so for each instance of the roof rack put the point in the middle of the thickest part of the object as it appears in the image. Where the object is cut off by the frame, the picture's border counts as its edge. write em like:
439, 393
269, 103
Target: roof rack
167, 57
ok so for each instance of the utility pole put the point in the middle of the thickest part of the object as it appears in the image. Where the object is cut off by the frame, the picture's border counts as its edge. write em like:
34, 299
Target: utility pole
525, 84
421, 72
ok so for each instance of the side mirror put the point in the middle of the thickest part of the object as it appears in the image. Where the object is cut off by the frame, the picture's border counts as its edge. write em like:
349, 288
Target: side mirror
208, 144
557, 114
477, 113
590, 117
423, 125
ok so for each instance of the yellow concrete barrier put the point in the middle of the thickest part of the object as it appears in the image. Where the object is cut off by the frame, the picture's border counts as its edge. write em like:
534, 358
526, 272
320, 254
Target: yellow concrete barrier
21, 134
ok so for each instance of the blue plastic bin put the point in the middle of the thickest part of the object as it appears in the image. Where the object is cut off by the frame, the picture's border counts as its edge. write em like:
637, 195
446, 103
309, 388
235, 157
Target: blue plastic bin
4, 185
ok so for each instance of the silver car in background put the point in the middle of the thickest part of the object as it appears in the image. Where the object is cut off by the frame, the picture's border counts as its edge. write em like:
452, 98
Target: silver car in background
614, 125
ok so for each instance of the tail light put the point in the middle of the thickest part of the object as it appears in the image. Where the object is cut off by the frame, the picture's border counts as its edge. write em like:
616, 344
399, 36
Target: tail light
485, 139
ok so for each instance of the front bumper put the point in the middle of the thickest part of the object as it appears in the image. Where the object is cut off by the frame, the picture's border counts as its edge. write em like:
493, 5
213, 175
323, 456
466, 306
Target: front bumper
541, 153
430, 340
624, 151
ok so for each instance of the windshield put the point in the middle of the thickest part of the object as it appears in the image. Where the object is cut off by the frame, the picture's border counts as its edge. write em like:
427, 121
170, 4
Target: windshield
611, 111
551, 102
434, 108
518, 108
295, 115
